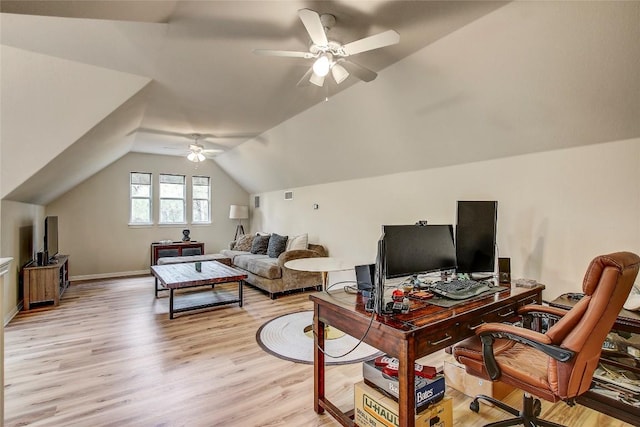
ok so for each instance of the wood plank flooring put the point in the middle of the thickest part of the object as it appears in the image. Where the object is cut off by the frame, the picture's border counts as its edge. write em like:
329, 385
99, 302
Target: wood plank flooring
109, 356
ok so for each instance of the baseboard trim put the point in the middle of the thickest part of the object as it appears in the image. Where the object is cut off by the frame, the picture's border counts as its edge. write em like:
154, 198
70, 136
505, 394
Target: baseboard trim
13, 313
109, 275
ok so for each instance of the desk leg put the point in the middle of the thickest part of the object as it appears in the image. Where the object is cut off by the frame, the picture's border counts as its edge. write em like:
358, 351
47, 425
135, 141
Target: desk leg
318, 362
406, 377
325, 280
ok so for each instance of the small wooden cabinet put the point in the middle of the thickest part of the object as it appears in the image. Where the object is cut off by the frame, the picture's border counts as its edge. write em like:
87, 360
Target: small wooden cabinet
45, 283
159, 250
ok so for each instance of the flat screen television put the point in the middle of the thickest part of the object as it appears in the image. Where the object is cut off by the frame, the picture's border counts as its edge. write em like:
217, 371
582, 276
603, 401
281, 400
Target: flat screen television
476, 236
417, 249
51, 236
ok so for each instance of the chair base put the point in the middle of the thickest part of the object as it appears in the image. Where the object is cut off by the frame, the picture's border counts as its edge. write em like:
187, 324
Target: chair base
528, 417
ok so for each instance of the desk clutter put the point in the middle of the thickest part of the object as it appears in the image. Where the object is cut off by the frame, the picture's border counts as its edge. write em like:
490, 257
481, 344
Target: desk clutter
375, 409
376, 398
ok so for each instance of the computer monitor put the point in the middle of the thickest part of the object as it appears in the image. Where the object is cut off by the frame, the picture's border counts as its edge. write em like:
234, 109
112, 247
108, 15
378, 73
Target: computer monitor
418, 249
476, 236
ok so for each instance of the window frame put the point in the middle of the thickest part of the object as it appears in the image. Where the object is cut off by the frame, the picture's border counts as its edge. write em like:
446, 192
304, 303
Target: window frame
149, 198
194, 199
183, 199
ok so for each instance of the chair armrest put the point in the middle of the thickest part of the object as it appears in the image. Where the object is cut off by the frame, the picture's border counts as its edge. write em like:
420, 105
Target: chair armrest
542, 310
533, 314
491, 331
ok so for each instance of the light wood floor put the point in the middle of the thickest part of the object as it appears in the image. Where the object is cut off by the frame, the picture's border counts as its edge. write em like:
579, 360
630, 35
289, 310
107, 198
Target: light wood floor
109, 356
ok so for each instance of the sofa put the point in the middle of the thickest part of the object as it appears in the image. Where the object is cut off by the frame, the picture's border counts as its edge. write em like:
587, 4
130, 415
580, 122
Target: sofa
267, 272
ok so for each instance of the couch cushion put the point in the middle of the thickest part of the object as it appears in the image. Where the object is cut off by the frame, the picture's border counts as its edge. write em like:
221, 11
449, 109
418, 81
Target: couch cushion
259, 245
233, 254
242, 260
265, 267
244, 243
298, 242
277, 245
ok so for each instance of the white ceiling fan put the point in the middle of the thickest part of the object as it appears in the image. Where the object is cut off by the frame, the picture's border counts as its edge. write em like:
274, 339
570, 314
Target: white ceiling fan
201, 144
197, 150
330, 55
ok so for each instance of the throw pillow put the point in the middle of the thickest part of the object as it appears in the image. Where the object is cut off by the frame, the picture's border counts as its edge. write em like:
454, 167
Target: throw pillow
298, 242
243, 243
277, 245
259, 245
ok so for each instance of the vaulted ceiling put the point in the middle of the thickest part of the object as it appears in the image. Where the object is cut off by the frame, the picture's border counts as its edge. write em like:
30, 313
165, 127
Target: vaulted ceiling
83, 83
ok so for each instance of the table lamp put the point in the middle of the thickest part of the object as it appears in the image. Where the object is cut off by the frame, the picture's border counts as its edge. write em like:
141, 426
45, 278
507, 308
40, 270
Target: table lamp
239, 212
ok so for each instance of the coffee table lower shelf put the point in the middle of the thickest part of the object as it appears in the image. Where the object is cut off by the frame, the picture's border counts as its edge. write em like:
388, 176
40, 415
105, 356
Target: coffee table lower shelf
201, 299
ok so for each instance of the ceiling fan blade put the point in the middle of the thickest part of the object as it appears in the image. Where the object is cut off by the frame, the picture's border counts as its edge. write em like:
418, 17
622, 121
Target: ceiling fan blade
339, 73
359, 71
311, 20
316, 79
286, 53
372, 42
304, 81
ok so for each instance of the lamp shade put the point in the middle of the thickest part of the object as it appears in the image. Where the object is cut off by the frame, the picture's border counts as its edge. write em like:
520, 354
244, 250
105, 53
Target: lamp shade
238, 212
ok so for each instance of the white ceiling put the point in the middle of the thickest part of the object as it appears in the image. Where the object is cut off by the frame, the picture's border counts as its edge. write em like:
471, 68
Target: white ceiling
199, 53
163, 70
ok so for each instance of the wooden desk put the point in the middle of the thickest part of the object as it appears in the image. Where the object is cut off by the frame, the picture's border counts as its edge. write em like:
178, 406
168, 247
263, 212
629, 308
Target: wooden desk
424, 330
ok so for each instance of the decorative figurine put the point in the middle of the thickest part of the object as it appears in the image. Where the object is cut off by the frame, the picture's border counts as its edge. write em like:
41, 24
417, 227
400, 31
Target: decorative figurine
185, 236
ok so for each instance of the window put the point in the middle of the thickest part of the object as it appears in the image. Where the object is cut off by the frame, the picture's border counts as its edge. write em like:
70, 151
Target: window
140, 195
172, 199
201, 194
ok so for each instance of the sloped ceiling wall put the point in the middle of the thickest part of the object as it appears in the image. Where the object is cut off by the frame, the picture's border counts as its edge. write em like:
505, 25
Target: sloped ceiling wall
526, 77
529, 77
55, 103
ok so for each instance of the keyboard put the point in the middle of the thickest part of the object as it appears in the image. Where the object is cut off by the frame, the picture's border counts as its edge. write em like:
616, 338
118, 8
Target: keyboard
459, 289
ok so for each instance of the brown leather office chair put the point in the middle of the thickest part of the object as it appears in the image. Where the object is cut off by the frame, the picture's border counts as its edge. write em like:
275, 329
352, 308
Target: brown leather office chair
558, 364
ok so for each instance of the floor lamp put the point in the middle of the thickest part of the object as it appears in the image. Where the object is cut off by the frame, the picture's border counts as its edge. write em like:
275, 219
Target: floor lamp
239, 212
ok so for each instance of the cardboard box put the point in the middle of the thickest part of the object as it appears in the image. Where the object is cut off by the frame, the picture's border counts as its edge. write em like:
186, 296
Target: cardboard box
374, 409
456, 377
427, 390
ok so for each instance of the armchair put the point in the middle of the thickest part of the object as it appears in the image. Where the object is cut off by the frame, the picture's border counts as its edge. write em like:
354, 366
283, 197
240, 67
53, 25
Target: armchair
559, 363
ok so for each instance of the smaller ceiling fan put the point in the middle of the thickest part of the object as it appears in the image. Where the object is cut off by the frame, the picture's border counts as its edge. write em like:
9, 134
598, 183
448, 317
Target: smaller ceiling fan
197, 150
330, 55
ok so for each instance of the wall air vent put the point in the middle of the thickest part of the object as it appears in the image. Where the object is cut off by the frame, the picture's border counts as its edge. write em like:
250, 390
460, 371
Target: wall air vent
256, 202
288, 195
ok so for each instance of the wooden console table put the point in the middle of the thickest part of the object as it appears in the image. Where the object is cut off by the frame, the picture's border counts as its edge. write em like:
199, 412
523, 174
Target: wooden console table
159, 250
424, 330
627, 321
45, 283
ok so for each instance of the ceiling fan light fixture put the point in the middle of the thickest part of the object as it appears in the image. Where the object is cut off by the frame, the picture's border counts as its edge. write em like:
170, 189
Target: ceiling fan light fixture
339, 73
196, 157
322, 65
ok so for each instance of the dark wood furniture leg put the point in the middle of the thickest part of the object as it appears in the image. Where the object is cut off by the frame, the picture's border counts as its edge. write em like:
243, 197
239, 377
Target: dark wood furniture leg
318, 362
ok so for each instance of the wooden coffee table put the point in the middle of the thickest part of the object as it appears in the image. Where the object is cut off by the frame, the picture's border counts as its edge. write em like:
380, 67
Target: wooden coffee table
184, 275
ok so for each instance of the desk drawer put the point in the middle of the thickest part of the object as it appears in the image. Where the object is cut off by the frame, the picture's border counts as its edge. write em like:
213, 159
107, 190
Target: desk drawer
507, 313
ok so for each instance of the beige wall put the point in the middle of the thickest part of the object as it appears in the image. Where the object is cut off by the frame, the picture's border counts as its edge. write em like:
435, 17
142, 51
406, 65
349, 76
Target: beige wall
18, 221
93, 217
556, 210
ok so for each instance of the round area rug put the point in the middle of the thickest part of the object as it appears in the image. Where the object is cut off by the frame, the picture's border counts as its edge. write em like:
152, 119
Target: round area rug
288, 337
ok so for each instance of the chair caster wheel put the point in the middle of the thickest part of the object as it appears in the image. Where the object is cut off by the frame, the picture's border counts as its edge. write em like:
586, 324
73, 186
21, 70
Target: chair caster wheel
537, 407
474, 405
